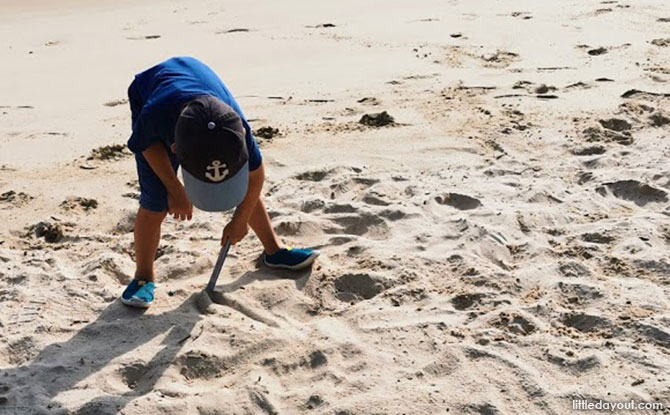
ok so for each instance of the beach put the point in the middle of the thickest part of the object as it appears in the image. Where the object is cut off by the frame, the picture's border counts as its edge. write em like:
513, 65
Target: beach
488, 184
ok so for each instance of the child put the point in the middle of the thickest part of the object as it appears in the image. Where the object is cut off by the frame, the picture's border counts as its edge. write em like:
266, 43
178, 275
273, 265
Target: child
183, 114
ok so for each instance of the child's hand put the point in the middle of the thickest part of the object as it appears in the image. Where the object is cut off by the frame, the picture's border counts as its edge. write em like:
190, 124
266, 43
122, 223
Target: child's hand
235, 230
178, 204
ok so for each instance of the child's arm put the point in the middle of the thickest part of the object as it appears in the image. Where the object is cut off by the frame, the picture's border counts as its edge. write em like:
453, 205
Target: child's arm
239, 225
178, 204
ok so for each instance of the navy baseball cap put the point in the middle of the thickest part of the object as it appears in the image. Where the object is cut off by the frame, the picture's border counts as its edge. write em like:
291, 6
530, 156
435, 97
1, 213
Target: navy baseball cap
209, 137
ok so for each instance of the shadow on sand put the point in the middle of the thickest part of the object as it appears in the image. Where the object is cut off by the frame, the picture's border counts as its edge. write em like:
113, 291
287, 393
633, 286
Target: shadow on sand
118, 330
60, 367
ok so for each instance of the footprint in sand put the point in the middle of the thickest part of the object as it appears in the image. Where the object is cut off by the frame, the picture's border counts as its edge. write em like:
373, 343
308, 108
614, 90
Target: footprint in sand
351, 187
357, 287
446, 364
126, 223
655, 334
579, 294
368, 224
585, 323
312, 205
465, 301
573, 269
574, 366
133, 374
22, 350
200, 365
458, 201
299, 228
316, 359
376, 199
597, 238
596, 134
116, 267
639, 193
340, 208
514, 323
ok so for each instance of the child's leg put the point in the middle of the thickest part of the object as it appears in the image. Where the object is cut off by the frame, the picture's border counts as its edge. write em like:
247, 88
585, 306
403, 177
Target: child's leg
152, 211
275, 256
147, 236
260, 223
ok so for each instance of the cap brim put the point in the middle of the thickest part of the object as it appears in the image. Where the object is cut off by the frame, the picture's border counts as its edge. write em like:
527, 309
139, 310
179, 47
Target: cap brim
217, 197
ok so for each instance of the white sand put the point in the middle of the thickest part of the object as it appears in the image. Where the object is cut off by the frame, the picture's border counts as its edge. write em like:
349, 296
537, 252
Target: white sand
494, 253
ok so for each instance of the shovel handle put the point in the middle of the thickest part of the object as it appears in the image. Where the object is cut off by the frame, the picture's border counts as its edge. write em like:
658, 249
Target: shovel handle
217, 267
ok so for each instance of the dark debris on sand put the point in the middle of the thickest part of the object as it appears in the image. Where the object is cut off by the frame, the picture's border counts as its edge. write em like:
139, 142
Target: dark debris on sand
116, 102
659, 120
83, 202
322, 26
51, 232
267, 132
380, 119
596, 134
663, 42
16, 198
616, 124
597, 51
111, 152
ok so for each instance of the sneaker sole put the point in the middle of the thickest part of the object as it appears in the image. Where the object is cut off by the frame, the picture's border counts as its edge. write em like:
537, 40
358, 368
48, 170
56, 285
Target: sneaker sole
303, 264
135, 303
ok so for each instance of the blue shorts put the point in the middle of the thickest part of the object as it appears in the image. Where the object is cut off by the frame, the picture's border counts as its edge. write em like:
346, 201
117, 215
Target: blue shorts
153, 194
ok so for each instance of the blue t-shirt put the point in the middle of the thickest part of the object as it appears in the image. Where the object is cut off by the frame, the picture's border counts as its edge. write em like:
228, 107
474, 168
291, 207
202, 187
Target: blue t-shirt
158, 94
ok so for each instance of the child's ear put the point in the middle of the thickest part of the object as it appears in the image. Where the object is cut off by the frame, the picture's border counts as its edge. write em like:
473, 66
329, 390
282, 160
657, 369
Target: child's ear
173, 147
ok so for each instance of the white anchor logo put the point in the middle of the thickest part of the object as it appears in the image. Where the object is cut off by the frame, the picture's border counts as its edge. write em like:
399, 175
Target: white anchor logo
217, 167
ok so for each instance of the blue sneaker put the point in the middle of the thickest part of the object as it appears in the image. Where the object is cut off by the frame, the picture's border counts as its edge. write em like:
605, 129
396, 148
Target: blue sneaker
138, 294
290, 258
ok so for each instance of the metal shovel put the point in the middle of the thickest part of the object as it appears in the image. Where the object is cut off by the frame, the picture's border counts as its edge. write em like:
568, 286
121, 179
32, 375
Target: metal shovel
205, 297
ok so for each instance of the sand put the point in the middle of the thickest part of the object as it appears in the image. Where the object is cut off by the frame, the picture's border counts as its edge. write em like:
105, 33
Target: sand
497, 243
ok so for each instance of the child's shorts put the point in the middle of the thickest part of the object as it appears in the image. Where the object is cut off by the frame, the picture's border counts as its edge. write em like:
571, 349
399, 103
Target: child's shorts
153, 194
